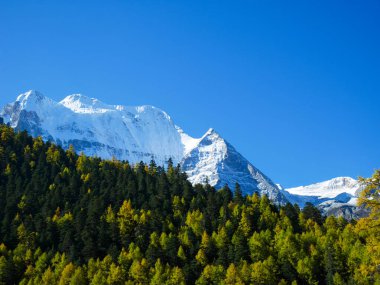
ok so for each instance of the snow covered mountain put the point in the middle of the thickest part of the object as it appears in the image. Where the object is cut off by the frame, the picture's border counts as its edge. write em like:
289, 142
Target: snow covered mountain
135, 134
337, 196
216, 161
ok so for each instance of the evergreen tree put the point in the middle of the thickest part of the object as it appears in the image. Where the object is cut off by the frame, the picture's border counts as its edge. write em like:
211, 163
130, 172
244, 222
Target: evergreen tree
73, 219
238, 195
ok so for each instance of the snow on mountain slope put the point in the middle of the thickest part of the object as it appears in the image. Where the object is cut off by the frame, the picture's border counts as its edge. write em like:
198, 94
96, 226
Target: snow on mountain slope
83, 104
127, 133
328, 189
337, 196
135, 134
216, 161
349, 210
188, 142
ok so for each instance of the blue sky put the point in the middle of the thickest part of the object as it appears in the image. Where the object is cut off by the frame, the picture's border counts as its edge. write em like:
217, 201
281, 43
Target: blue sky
293, 85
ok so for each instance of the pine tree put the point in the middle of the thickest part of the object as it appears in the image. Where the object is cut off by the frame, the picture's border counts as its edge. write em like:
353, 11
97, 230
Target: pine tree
238, 195
78, 277
5, 276
232, 276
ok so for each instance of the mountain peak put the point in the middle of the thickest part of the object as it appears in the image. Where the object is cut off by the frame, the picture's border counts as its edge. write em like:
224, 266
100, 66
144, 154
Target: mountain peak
33, 100
80, 103
30, 95
342, 179
79, 98
211, 134
210, 131
217, 162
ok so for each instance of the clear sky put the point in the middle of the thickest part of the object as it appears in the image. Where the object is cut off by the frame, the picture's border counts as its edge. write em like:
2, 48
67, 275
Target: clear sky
293, 85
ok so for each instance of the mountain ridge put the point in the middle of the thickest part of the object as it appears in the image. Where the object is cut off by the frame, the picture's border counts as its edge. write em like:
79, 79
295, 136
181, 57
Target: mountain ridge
143, 133
139, 133
337, 196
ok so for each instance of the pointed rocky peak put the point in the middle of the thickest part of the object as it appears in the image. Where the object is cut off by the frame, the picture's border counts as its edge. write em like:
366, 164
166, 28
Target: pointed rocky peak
216, 161
211, 137
30, 95
211, 133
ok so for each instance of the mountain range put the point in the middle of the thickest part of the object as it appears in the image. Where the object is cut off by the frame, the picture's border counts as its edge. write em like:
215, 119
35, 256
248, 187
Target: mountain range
143, 133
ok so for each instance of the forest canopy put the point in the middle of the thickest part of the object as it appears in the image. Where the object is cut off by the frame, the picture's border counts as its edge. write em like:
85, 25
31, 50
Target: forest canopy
72, 219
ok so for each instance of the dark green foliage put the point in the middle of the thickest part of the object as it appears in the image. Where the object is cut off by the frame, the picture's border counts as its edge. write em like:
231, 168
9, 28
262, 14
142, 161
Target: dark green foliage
71, 219
311, 212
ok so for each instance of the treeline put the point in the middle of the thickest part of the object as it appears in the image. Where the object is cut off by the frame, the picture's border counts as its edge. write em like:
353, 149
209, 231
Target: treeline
71, 219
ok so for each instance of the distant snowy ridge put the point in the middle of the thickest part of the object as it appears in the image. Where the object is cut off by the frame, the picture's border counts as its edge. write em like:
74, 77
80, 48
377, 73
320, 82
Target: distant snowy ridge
336, 196
135, 134
328, 189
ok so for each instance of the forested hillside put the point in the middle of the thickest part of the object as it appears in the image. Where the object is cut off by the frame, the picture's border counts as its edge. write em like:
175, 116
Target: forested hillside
69, 219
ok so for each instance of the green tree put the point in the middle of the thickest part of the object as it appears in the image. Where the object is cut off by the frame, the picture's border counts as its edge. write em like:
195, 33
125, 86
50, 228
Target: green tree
5, 276
238, 194
264, 272
211, 274
176, 277
160, 274
126, 222
66, 274
232, 276
260, 245
78, 277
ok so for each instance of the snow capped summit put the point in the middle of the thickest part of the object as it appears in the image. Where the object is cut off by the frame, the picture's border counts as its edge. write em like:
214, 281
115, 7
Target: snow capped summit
135, 134
210, 132
32, 99
216, 161
202, 161
79, 103
31, 94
